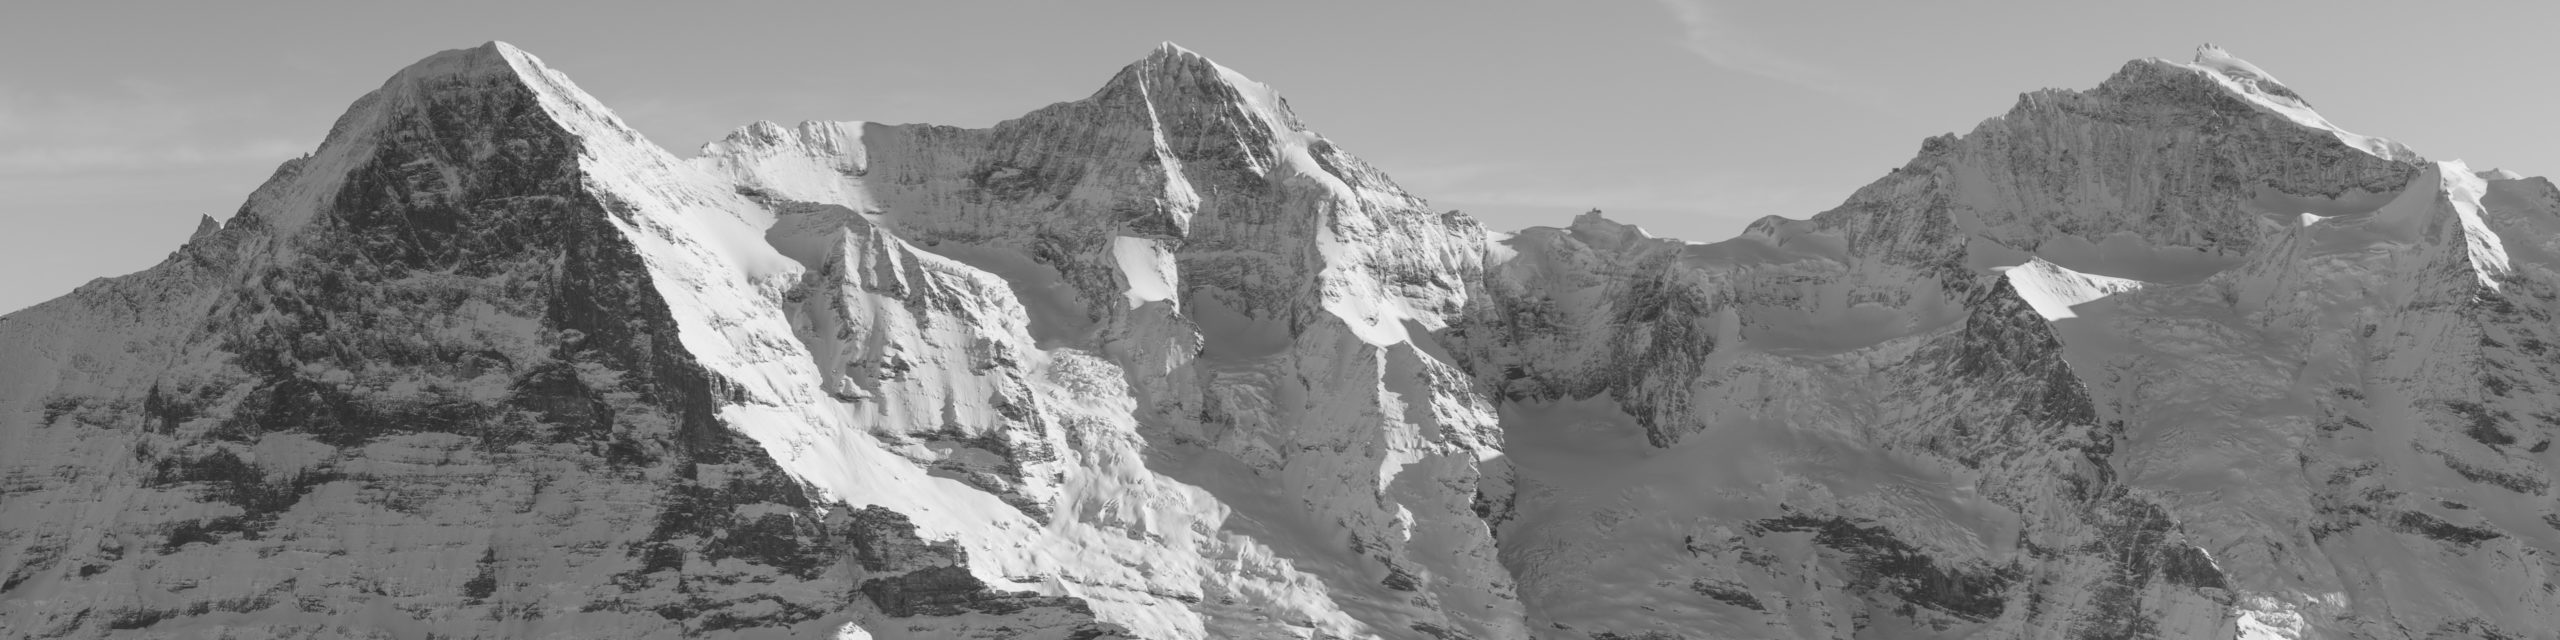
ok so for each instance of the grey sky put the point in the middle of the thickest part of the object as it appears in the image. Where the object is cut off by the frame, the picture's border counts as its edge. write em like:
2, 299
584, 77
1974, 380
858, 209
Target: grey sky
120, 123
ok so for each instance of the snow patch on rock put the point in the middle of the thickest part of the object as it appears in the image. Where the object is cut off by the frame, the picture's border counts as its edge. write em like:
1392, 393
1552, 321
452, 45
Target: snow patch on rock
2053, 290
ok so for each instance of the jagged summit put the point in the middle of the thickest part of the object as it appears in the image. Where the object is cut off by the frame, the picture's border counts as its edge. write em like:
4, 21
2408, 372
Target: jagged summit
205, 226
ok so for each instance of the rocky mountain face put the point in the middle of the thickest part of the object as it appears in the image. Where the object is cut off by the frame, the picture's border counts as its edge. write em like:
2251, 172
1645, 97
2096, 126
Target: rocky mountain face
2173, 357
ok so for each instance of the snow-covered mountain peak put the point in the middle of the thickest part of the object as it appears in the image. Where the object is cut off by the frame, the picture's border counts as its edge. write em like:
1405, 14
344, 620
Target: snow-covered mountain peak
492, 66
499, 67
2129, 179
1170, 49
490, 59
2218, 85
1170, 57
2221, 61
2261, 90
760, 132
1176, 79
450, 109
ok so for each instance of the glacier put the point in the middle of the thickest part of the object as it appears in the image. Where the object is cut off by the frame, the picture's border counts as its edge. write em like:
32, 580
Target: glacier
2171, 357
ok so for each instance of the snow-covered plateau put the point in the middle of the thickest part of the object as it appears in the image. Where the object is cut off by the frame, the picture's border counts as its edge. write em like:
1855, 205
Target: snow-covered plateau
2173, 357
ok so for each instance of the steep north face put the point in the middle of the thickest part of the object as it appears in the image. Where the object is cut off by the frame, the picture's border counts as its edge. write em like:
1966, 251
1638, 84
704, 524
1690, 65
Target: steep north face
2174, 357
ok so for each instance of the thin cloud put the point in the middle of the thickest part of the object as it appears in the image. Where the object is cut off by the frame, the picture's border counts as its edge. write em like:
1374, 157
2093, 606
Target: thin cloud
1709, 34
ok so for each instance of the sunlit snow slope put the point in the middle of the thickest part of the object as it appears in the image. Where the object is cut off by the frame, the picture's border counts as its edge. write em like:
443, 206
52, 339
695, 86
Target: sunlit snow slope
2174, 357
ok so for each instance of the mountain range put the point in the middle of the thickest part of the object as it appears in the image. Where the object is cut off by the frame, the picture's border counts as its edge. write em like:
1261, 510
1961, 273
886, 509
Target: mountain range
2172, 357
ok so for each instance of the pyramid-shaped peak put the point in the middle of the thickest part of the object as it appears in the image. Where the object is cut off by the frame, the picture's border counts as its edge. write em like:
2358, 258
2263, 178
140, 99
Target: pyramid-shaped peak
1168, 49
1174, 77
494, 77
492, 58
493, 63
1171, 59
490, 69
499, 64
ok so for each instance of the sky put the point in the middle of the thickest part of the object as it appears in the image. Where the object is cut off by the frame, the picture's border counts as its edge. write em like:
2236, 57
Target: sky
123, 122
